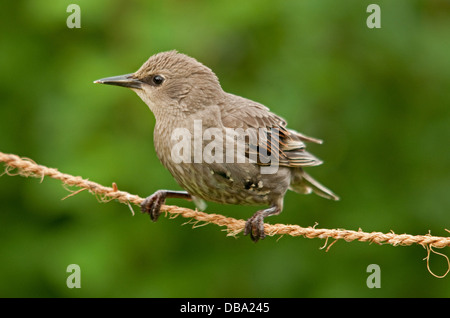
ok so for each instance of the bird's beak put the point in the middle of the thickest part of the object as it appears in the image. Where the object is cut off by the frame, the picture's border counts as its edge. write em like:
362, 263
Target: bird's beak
127, 80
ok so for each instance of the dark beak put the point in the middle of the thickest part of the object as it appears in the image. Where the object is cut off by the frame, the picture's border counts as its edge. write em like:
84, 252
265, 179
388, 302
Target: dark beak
127, 80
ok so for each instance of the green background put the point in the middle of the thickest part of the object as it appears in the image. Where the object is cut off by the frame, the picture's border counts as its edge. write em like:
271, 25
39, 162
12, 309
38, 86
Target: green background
378, 97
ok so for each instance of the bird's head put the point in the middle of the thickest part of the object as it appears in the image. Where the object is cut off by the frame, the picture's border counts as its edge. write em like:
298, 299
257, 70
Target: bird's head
170, 82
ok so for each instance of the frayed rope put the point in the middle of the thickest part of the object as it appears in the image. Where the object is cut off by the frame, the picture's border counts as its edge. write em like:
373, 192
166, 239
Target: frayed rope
15, 165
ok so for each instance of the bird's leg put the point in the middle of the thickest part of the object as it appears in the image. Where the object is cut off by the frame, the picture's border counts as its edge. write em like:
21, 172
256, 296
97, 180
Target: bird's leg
152, 204
255, 225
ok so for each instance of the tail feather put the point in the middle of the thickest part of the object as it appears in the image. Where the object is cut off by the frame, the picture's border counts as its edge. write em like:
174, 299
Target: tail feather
301, 182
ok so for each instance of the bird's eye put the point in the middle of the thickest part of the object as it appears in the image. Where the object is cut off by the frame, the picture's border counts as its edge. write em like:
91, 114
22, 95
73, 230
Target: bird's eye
157, 79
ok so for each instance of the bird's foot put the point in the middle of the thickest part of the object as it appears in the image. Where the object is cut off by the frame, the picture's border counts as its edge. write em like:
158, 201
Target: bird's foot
255, 227
152, 204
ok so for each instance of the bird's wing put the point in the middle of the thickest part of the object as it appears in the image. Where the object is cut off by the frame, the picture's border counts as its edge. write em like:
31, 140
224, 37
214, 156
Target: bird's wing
271, 133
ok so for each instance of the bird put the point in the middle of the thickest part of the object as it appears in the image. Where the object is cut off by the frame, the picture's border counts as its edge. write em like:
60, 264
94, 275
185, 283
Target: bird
187, 100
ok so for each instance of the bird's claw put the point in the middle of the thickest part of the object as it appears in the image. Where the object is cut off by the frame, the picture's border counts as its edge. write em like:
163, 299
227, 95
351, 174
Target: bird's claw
152, 204
255, 227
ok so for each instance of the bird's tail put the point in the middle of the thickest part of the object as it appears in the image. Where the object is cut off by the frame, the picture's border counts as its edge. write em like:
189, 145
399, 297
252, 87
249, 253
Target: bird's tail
301, 182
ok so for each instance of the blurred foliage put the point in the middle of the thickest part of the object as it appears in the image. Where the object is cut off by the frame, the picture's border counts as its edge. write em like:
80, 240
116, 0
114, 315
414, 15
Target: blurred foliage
378, 97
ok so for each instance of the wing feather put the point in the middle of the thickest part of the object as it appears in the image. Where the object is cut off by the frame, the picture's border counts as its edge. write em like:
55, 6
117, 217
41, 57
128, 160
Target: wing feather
288, 144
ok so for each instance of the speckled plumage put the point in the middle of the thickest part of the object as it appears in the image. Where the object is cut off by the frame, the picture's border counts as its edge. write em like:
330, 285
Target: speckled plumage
180, 91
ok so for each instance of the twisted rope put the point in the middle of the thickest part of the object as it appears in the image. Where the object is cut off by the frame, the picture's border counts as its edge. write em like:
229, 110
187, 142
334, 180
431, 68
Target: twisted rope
16, 165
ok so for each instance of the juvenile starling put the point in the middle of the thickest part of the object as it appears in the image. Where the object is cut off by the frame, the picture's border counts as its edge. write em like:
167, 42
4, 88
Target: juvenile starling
187, 100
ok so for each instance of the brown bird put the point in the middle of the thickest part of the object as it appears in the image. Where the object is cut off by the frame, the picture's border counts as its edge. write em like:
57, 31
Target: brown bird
195, 121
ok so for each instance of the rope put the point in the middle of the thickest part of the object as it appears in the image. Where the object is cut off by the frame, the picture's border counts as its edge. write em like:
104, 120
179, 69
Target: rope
16, 165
